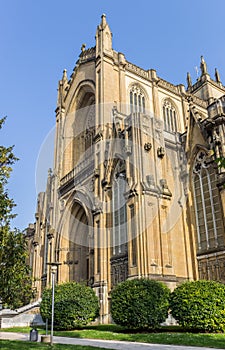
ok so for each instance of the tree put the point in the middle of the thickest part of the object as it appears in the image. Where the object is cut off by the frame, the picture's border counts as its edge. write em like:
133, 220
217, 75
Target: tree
75, 305
7, 159
15, 280
199, 305
221, 162
140, 303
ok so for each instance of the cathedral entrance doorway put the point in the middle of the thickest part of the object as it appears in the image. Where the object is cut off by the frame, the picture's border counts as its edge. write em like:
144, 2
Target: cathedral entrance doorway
78, 255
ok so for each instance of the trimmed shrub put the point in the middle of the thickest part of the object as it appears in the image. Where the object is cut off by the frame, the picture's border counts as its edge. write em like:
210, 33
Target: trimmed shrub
199, 305
140, 303
75, 305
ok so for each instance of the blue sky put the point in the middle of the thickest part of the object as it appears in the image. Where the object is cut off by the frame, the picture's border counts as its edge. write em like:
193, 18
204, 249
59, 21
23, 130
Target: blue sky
41, 38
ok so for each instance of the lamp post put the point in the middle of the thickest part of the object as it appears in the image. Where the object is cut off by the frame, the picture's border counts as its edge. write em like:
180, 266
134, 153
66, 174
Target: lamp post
53, 272
54, 267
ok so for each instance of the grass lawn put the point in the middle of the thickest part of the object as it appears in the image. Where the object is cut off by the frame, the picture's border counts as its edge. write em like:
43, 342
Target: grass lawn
21, 345
170, 335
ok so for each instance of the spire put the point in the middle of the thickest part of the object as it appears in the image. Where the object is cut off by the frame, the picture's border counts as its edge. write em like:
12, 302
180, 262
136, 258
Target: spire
217, 76
62, 89
103, 37
64, 78
103, 21
49, 172
103, 24
203, 66
189, 82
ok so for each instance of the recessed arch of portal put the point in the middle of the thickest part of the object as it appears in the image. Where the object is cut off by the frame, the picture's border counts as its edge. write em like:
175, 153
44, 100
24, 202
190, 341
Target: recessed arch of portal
77, 200
79, 127
75, 240
83, 95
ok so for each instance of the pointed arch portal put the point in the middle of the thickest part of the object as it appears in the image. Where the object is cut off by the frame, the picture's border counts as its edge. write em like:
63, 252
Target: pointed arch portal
78, 254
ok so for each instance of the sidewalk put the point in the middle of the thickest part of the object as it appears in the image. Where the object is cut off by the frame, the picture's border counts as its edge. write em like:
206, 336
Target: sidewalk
107, 344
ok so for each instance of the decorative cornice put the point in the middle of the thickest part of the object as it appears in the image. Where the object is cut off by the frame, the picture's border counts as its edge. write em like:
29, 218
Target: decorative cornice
168, 86
175, 89
137, 70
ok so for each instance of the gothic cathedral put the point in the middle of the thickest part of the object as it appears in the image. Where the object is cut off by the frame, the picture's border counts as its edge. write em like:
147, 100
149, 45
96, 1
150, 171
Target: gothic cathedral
135, 190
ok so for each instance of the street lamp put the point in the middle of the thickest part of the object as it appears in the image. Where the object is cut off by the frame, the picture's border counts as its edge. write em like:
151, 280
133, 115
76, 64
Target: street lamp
54, 267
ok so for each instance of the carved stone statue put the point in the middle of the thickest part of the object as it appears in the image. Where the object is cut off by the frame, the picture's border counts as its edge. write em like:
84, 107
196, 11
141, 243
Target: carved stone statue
83, 47
203, 66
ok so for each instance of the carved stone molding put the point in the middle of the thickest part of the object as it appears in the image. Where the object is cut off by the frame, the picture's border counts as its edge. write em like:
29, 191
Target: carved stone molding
165, 189
97, 206
137, 70
147, 146
97, 137
161, 152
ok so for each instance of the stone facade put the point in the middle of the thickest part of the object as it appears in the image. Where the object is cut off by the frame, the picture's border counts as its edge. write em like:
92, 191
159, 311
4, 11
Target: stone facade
135, 190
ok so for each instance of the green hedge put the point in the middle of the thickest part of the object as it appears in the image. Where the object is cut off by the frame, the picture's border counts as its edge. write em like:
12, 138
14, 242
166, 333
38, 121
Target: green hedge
140, 303
199, 305
75, 305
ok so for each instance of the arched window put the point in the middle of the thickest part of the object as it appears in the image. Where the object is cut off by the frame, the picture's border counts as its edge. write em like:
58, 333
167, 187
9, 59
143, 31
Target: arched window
208, 212
119, 215
90, 130
83, 130
169, 116
137, 100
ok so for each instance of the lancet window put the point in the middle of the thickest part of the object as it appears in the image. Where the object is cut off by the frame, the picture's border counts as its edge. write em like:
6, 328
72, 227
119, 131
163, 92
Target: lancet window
208, 211
119, 215
169, 116
90, 130
137, 100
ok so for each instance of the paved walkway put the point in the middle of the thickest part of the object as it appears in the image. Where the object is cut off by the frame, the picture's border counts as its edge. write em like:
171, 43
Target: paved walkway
107, 344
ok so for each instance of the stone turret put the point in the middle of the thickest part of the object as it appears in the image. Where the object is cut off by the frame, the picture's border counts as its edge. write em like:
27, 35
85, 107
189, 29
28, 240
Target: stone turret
189, 82
206, 88
217, 77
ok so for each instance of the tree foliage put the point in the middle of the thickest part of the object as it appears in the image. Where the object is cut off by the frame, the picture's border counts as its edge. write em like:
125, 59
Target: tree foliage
140, 303
199, 305
221, 162
15, 280
75, 305
7, 159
